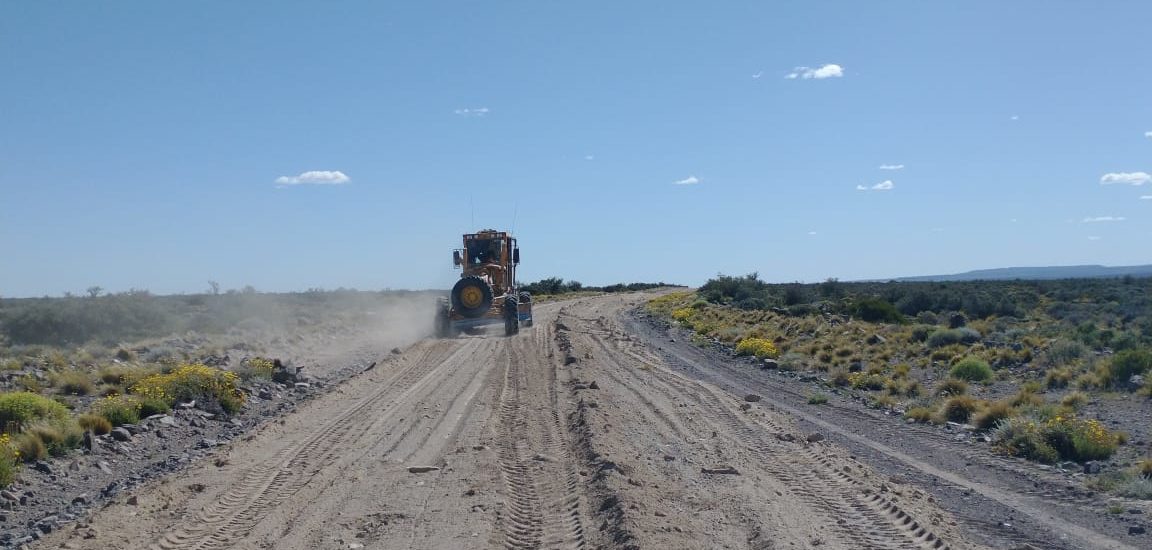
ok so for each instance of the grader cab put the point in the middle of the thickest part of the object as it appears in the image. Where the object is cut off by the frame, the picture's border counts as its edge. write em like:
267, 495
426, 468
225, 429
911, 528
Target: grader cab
486, 293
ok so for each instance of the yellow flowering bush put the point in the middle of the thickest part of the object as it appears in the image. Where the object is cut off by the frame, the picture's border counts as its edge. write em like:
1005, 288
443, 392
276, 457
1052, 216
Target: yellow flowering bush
256, 367
1059, 437
189, 382
682, 314
9, 460
759, 347
119, 409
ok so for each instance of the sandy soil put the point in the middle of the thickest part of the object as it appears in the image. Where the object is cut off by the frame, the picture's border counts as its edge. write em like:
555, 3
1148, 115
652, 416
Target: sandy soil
581, 432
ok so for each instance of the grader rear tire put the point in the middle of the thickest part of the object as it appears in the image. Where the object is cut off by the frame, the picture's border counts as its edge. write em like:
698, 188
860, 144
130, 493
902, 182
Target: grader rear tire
472, 297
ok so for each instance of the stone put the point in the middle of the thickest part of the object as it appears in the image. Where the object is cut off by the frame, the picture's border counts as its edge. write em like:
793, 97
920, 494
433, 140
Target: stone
396, 351
167, 420
593, 385
815, 437
1092, 467
302, 385
133, 500
720, 470
121, 434
42, 467
752, 398
422, 469
81, 500
103, 466
1136, 382
1134, 530
771, 364
9, 495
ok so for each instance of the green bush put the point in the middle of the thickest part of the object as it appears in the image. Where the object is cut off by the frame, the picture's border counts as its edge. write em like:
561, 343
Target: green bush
877, 310
973, 370
118, 409
947, 337
9, 460
817, 399
1127, 363
72, 382
18, 409
94, 423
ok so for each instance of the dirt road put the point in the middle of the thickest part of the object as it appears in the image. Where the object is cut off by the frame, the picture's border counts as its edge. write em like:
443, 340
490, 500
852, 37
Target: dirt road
581, 432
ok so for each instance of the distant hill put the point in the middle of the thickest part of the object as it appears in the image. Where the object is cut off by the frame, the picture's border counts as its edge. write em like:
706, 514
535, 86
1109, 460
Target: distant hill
1039, 273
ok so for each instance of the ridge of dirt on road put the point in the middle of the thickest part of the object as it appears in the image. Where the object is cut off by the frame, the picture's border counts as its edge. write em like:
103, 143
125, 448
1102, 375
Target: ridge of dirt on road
1000, 501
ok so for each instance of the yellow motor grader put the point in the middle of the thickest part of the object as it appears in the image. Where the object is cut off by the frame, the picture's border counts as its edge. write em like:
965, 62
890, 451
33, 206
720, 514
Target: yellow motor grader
486, 293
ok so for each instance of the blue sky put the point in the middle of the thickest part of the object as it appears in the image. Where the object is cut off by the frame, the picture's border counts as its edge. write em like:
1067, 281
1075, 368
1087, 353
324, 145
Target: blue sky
141, 143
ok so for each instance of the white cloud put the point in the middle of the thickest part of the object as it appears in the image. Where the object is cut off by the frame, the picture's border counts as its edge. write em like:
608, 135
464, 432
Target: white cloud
315, 177
1130, 178
589, 157
1098, 219
758, 75
1148, 134
891, 166
690, 180
885, 185
830, 70
1094, 238
1015, 117
478, 111
1146, 197
811, 232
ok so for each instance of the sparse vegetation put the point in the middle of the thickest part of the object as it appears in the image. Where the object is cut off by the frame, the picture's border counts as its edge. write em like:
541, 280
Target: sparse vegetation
972, 370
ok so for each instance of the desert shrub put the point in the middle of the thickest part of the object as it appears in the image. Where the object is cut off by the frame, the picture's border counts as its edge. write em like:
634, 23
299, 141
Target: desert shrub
683, 314
962, 335
30, 447
992, 415
791, 361
1026, 398
1074, 400
919, 414
877, 310
1058, 378
840, 378
758, 347
1064, 352
972, 369
94, 423
9, 460
58, 438
952, 386
192, 382
901, 370
817, 399
1127, 363
72, 382
959, 408
118, 409
1018, 436
18, 409
1059, 437
920, 333
1139, 487
865, 381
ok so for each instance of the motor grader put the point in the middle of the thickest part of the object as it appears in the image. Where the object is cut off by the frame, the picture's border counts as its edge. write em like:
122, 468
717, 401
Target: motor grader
486, 293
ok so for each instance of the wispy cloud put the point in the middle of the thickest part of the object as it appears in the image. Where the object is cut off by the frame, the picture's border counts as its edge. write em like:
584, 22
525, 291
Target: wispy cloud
476, 111
1148, 134
811, 232
1146, 197
891, 166
1015, 117
758, 75
315, 177
1099, 219
885, 185
1094, 238
690, 180
1130, 178
589, 157
830, 70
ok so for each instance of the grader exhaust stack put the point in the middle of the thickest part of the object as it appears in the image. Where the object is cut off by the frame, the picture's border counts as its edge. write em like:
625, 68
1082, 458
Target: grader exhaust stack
486, 293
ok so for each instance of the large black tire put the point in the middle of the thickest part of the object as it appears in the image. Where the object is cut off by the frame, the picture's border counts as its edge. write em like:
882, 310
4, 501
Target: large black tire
511, 316
471, 297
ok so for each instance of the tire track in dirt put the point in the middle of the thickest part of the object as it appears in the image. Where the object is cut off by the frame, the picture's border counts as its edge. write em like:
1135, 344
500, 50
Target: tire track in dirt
542, 498
267, 484
861, 517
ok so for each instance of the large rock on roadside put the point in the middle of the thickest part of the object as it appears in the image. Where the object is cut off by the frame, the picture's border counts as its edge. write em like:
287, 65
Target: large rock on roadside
121, 434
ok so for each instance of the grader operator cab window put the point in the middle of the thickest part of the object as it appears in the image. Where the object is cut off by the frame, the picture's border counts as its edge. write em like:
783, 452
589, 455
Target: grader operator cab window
482, 251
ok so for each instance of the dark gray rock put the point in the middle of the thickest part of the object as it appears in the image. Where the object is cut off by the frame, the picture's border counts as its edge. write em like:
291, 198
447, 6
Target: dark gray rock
121, 434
